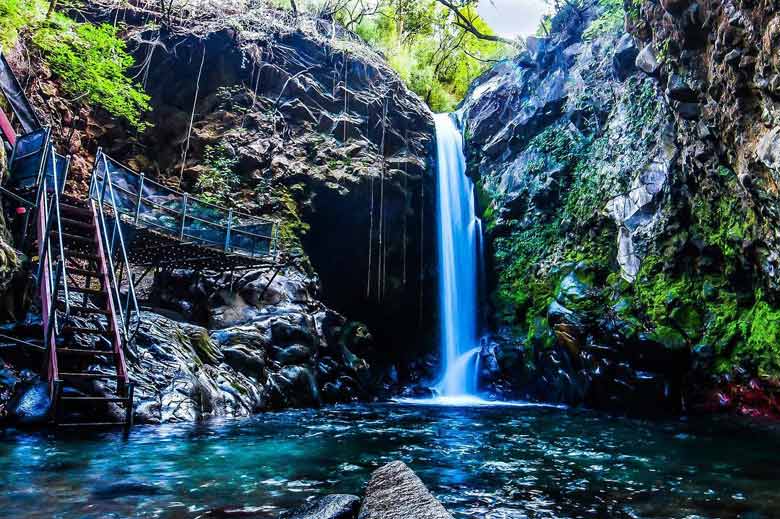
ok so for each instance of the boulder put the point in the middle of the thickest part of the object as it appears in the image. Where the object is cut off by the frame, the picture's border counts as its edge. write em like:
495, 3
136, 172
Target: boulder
678, 89
647, 61
334, 506
624, 59
33, 405
768, 149
395, 492
675, 7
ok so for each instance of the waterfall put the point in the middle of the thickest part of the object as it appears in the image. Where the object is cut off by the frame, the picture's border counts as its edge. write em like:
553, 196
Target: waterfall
458, 264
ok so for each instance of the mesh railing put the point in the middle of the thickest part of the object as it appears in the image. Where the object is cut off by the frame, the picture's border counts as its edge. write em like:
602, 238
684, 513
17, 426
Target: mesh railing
145, 203
27, 164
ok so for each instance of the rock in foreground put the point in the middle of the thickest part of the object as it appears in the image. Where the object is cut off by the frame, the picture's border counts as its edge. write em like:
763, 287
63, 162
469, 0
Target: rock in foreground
334, 506
395, 492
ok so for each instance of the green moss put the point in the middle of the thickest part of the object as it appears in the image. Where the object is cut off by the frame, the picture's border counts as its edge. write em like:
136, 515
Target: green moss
291, 226
15, 15
609, 21
761, 346
721, 218
609, 163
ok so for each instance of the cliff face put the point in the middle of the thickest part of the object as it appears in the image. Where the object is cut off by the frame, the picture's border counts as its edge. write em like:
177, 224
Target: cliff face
302, 122
628, 187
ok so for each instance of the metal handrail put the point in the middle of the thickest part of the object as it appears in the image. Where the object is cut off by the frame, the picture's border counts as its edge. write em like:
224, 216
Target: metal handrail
191, 217
53, 216
109, 246
185, 201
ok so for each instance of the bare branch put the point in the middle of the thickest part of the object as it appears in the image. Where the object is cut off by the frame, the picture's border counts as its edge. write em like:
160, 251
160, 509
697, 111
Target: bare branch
468, 25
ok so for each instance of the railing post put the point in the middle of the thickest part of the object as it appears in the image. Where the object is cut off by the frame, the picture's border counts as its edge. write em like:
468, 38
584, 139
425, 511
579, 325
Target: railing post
229, 226
140, 197
183, 217
275, 243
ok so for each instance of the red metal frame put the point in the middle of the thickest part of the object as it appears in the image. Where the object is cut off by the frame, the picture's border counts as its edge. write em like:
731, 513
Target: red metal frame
46, 301
119, 353
7, 129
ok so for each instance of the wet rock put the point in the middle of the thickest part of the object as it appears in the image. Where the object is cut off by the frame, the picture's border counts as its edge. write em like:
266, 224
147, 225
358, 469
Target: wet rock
675, 7
689, 111
334, 506
568, 326
247, 361
395, 492
647, 61
126, 488
295, 354
32, 406
624, 59
768, 149
293, 386
678, 89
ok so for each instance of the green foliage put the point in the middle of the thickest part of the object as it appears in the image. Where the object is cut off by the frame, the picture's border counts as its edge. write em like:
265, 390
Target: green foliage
434, 56
609, 21
521, 296
607, 165
92, 61
762, 345
17, 14
216, 184
705, 309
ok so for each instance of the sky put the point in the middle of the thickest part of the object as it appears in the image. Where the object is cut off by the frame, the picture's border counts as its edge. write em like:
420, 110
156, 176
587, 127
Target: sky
512, 18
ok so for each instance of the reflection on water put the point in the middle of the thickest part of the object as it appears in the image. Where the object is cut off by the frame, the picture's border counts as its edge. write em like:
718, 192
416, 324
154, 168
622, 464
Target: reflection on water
487, 462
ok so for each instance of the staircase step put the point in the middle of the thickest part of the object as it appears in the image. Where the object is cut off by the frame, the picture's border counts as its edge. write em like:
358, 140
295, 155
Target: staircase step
88, 291
89, 375
82, 351
76, 223
85, 309
84, 272
95, 398
80, 239
80, 254
76, 210
88, 331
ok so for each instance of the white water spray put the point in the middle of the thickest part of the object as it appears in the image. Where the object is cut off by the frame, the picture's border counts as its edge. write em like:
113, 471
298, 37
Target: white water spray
458, 265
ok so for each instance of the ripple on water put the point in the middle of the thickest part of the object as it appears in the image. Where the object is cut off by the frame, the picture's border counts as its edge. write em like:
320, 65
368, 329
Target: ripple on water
482, 461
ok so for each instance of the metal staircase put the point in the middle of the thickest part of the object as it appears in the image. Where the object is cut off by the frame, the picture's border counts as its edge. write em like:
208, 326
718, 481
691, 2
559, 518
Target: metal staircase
82, 265
85, 250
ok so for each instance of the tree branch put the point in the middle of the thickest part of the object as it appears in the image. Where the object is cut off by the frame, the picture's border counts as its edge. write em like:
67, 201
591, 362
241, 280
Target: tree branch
468, 25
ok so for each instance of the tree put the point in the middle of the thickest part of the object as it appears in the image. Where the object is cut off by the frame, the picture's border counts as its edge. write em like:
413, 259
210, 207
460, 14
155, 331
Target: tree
467, 19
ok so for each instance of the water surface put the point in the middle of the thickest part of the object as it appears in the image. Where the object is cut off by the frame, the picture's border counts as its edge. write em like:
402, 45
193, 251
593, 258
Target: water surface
491, 462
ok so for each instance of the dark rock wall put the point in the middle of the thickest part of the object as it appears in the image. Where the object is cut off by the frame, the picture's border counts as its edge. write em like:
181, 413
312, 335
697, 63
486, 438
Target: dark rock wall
628, 193
327, 139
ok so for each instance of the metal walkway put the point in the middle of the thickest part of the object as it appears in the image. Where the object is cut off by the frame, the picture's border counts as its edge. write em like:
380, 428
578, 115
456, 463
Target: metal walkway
168, 228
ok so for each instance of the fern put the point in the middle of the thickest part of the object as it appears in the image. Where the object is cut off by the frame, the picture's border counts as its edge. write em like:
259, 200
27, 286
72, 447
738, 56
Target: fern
92, 62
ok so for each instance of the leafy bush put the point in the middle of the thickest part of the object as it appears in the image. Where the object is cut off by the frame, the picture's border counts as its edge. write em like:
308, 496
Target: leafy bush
16, 14
92, 62
216, 183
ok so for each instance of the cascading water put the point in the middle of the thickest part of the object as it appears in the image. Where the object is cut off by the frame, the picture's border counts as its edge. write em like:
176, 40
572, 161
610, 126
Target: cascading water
458, 265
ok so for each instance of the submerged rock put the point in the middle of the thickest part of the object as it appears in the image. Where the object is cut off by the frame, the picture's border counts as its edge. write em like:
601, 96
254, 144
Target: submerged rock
395, 492
334, 506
